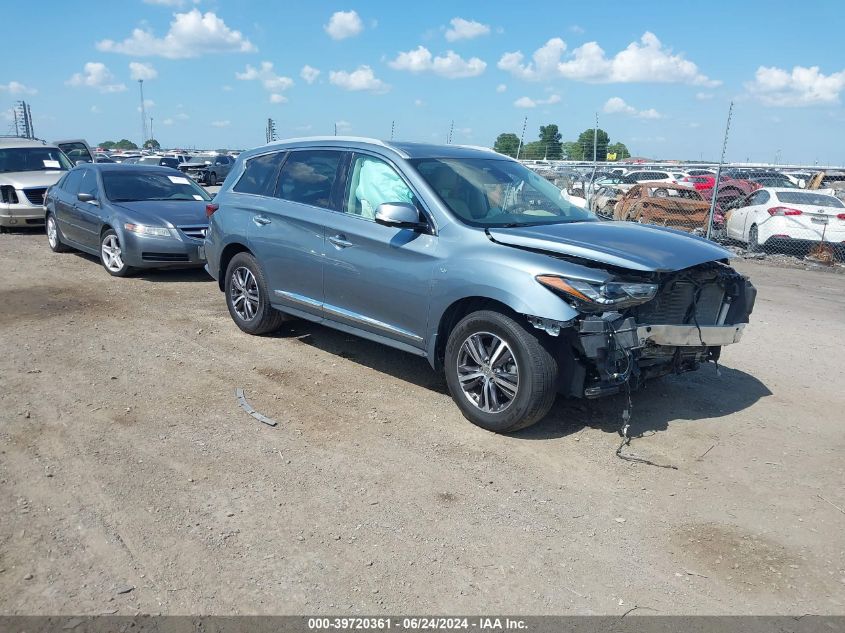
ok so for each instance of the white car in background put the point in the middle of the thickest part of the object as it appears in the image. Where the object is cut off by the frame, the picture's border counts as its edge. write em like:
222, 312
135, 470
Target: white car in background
655, 175
773, 216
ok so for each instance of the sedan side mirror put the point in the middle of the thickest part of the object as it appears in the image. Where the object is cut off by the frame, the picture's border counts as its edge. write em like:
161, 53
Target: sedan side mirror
86, 197
401, 215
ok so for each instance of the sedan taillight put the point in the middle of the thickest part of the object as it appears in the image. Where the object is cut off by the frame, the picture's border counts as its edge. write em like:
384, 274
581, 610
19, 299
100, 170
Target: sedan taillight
783, 211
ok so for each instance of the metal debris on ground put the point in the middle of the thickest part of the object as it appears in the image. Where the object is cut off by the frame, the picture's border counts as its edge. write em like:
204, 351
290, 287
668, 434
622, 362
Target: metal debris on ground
246, 407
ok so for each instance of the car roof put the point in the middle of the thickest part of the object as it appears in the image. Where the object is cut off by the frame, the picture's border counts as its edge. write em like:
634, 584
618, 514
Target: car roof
659, 184
131, 168
23, 142
400, 149
793, 190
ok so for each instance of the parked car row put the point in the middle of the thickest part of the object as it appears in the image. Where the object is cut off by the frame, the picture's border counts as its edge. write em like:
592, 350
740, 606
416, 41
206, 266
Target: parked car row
459, 255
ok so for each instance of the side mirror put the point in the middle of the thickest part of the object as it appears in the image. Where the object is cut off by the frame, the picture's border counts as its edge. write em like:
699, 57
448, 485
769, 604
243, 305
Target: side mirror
86, 197
401, 215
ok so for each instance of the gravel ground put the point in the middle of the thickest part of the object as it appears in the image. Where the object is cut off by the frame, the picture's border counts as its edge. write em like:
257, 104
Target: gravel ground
132, 482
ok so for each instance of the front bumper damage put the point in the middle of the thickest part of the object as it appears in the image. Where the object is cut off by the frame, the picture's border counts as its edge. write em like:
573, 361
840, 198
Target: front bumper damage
695, 314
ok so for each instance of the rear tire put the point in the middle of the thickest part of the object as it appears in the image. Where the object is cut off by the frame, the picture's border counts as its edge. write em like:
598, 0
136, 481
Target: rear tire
54, 235
212, 179
247, 297
753, 239
501, 390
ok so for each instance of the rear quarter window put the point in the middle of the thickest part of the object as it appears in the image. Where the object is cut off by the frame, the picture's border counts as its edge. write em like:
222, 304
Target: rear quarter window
259, 177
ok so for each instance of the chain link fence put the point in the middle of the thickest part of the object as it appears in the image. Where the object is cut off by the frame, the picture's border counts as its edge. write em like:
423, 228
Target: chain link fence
781, 215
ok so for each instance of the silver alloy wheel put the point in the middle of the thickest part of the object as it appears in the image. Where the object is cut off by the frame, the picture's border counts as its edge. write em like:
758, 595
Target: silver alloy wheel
52, 232
111, 254
244, 293
488, 372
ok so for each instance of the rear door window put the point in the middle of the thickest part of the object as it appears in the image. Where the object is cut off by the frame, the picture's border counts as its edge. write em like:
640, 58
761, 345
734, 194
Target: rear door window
259, 175
309, 177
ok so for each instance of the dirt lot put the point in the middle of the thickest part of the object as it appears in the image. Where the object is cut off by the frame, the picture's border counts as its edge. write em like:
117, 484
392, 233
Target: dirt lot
125, 463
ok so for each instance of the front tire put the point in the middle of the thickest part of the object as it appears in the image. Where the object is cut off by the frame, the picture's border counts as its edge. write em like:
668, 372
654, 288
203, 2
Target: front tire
247, 297
499, 374
111, 255
212, 179
54, 236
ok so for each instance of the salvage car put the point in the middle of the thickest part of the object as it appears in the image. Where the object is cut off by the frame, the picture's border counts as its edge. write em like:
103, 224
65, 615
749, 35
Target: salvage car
662, 203
131, 216
208, 170
469, 259
27, 168
775, 217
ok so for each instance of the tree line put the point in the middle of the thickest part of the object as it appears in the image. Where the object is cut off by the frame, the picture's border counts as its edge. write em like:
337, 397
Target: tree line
551, 146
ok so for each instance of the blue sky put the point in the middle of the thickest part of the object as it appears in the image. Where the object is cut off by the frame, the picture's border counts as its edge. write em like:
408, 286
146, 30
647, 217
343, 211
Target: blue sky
659, 74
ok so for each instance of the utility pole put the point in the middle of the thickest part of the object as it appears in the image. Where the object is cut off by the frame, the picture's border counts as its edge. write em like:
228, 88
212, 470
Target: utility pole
521, 138
152, 134
143, 114
595, 154
392, 128
270, 132
718, 174
451, 130
335, 129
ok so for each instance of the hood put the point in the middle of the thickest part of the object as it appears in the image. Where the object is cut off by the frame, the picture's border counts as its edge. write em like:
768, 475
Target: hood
166, 212
623, 244
26, 179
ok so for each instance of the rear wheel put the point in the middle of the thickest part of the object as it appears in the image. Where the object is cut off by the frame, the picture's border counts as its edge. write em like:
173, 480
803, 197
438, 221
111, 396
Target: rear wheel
247, 297
499, 374
212, 179
54, 237
753, 239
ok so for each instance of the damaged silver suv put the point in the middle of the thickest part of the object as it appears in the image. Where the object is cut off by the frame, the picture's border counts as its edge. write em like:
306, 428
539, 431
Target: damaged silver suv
468, 258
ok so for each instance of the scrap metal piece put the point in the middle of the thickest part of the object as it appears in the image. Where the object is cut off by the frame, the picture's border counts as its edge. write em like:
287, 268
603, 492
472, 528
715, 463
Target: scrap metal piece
246, 407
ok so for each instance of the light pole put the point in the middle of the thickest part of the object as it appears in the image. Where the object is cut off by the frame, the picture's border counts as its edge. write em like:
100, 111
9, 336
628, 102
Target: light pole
143, 114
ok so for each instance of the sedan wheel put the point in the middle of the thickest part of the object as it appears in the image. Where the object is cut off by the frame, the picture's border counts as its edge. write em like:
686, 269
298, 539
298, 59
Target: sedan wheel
53, 239
112, 256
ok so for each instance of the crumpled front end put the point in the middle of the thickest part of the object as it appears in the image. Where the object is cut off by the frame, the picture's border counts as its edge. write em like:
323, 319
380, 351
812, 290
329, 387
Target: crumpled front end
694, 313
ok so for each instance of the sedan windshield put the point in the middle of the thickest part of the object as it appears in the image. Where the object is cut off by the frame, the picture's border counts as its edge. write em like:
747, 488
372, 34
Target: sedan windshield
133, 186
489, 192
16, 159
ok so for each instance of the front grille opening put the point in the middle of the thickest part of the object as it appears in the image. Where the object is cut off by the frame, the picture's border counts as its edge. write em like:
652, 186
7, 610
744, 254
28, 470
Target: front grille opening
35, 196
194, 232
165, 257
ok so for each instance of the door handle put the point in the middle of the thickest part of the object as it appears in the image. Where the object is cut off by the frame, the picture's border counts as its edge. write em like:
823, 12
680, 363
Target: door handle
261, 220
340, 241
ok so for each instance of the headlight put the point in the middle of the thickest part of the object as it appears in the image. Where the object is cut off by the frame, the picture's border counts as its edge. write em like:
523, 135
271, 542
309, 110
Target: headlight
154, 231
612, 294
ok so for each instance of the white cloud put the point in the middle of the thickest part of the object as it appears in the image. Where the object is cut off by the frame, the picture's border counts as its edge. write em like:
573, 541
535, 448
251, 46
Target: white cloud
167, 121
362, 78
309, 74
344, 24
465, 29
17, 88
703, 96
617, 105
303, 128
419, 103
451, 65
646, 61
501, 88
343, 126
224, 123
528, 102
578, 30
277, 98
142, 71
191, 34
267, 76
149, 104
96, 75
799, 87
95, 109
182, 116
226, 88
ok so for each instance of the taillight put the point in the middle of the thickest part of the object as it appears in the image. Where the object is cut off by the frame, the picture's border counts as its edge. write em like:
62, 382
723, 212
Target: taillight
783, 211
8, 195
841, 216
210, 208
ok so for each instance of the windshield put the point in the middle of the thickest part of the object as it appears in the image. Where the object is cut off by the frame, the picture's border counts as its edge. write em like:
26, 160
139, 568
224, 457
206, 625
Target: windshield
489, 192
132, 186
16, 159
814, 199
